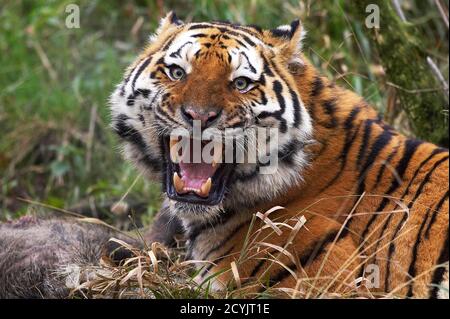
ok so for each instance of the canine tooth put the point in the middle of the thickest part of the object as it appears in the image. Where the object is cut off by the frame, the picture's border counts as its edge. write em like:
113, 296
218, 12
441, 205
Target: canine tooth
173, 142
178, 183
173, 150
206, 187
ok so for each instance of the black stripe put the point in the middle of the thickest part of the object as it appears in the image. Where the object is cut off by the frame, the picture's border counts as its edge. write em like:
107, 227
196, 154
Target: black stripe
200, 26
139, 71
319, 247
435, 212
130, 99
228, 29
364, 142
294, 26
236, 26
438, 274
229, 57
330, 109
307, 257
286, 33
257, 268
174, 19
422, 164
255, 27
145, 92
410, 148
317, 86
130, 134
391, 249
244, 37
281, 275
289, 150
281, 33
169, 42
380, 143
166, 45
412, 271
127, 79
426, 180
380, 238
141, 119
266, 63
263, 97
278, 89
154, 162
385, 201
178, 51
262, 79
252, 68
296, 105
215, 261
201, 35
242, 44
163, 115
350, 137
163, 120
387, 162
348, 124
127, 132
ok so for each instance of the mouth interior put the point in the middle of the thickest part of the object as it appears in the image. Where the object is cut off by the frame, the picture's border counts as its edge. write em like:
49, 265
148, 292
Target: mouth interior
195, 176
192, 178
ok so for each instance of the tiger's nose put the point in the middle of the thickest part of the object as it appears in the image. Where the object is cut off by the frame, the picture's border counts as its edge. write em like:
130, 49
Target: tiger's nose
206, 117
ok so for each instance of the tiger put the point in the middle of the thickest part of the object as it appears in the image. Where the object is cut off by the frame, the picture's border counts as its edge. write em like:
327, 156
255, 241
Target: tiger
349, 194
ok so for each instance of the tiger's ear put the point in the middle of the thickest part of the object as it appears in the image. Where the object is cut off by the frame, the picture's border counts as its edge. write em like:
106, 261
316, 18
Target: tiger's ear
289, 41
291, 33
170, 20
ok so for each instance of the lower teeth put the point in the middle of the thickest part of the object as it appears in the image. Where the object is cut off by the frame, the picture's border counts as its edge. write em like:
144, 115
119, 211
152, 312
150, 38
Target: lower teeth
206, 187
178, 183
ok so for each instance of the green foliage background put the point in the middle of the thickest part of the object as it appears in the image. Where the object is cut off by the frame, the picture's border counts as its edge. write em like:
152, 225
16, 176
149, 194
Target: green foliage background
55, 143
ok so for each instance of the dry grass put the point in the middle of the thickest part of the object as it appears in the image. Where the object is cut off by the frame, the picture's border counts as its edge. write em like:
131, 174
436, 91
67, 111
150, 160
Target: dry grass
159, 272
156, 272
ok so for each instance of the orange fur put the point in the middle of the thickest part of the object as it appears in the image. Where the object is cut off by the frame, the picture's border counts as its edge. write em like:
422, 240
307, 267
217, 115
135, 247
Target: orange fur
339, 198
396, 188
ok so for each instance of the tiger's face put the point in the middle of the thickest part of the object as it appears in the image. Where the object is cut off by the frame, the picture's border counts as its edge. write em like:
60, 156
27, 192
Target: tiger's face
221, 84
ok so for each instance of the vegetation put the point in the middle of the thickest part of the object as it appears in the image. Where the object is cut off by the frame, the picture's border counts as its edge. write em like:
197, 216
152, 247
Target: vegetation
56, 147
157, 272
398, 43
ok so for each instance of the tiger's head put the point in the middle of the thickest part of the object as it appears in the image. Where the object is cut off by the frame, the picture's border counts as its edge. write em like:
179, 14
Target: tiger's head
232, 80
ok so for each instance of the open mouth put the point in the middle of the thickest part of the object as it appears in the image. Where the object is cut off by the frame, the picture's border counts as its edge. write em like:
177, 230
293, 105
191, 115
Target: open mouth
192, 178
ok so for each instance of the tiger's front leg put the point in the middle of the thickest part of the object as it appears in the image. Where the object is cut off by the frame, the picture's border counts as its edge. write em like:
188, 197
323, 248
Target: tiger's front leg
165, 228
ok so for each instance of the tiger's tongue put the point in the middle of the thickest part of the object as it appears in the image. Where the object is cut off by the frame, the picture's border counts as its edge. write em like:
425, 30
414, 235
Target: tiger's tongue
194, 175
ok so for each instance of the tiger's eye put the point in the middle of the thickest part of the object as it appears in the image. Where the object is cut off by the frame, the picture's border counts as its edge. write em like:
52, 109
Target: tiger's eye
176, 72
241, 83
